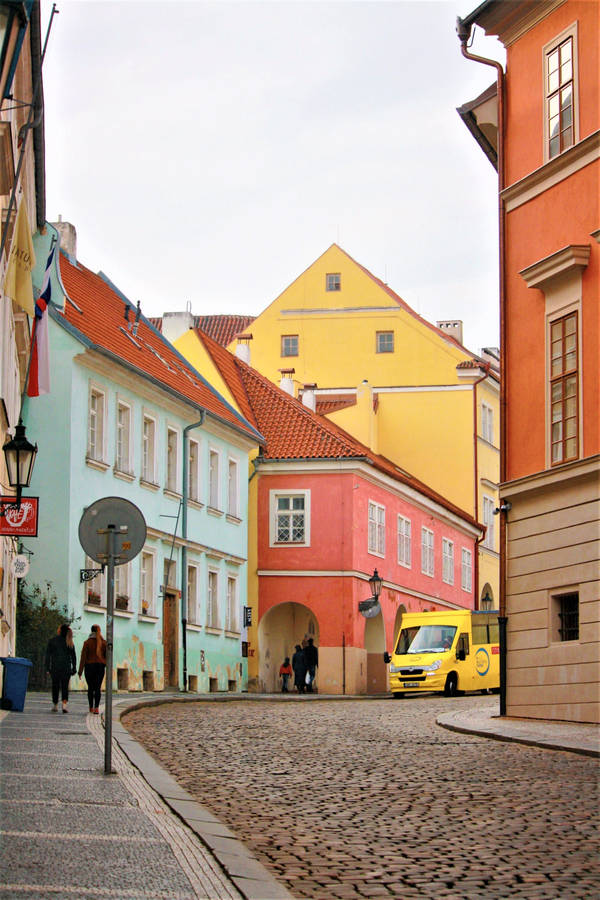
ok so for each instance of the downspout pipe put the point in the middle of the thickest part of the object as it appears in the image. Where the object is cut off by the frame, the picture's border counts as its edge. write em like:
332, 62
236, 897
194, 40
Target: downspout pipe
476, 490
463, 31
184, 506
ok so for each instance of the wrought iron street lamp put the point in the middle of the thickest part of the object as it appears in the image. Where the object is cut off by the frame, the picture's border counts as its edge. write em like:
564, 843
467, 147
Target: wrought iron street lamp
19, 455
375, 581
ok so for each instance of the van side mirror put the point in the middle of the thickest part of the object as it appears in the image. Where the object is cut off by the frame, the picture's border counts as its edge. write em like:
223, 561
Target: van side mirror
386, 657
461, 655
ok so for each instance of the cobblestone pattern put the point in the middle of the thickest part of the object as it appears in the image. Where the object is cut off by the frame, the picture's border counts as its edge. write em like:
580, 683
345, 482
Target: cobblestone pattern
372, 799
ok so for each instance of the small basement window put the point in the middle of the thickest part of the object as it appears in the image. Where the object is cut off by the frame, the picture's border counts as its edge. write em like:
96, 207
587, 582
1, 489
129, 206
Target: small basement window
565, 616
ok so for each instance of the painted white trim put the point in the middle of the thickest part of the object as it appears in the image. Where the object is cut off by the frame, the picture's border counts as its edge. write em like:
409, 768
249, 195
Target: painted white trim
353, 573
373, 476
128, 470
209, 497
101, 452
547, 49
151, 417
274, 493
339, 310
176, 430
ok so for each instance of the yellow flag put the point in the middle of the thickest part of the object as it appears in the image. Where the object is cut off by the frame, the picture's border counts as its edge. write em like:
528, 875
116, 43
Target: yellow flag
17, 284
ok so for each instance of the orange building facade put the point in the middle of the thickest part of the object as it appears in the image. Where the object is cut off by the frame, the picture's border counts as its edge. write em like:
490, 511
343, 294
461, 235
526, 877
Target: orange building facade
548, 143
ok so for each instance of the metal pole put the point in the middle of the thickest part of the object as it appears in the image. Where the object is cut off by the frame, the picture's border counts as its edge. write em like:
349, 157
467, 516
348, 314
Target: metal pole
343, 662
110, 597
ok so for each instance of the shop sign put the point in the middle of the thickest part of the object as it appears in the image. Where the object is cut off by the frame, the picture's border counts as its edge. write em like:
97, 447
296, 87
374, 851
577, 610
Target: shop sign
22, 522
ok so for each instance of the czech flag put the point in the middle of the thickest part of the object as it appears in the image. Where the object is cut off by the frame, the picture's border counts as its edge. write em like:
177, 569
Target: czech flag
39, 364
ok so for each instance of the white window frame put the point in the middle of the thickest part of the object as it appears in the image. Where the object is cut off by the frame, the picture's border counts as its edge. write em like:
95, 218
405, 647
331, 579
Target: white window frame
466, 570
172, 460
233, 613
290, 345
404, 542
193, 472
570, 32
488, 506
122, 582
381, 340
427, 552
376, 529
233, 487
95, 452
147, 581
447, 561
193, 607
212, 599
214, 478
487, 423
333, 281
97, 584
123, 461
149, 471
291, 493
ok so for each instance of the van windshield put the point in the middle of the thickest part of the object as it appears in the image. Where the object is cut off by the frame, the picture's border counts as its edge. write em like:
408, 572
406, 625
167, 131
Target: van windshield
426, 639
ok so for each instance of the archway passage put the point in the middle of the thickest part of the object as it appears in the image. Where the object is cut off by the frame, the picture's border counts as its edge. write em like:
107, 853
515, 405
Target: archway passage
375, 646
279, 630
397, 623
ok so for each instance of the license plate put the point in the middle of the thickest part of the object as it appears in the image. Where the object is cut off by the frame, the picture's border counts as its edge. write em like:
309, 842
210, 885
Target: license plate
410, 684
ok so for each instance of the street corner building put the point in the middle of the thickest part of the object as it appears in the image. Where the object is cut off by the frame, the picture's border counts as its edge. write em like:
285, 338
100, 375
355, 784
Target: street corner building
325, 511
539, 124
127, 416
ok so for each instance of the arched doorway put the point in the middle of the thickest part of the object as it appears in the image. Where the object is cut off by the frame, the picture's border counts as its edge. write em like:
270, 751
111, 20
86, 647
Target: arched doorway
375, 647
279, 630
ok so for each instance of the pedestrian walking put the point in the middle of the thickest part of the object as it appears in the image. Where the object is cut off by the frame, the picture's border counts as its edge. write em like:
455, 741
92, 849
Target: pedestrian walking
285, 670
61, 663
299, 667
92, 662
311, 659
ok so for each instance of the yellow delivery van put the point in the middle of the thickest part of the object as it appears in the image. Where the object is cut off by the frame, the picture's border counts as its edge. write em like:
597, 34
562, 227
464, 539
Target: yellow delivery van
451, 651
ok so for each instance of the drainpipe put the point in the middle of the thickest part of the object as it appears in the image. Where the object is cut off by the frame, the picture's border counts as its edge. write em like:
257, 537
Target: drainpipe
476, 491
464, 33
184, 503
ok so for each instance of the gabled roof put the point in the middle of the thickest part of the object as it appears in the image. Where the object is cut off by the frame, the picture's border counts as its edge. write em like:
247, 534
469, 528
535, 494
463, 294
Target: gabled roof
97, 314
291, 431
223, 329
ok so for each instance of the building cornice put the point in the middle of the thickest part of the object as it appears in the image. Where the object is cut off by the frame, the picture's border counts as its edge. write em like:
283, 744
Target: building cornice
571, 259
553, 172
363, 469
551, 479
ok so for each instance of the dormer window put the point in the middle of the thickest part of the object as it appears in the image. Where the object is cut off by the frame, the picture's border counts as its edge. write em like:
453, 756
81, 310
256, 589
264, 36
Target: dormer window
333, 282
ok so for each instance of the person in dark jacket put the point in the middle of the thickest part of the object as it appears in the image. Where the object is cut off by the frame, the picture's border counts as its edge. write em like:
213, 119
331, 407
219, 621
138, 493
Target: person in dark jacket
93, 662
299, 667
61, 663
311, 659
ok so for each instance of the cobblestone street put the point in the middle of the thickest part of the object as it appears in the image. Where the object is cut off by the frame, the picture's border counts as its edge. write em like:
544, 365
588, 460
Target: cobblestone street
370, 798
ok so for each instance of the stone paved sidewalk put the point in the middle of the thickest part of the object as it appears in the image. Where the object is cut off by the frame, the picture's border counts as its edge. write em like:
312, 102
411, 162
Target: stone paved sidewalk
67, 829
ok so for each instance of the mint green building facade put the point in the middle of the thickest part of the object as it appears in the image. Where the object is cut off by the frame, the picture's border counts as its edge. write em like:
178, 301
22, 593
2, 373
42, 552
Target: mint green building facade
109, 429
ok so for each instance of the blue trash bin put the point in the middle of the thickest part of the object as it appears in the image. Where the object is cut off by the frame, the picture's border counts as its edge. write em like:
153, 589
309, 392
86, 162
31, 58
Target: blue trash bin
14, 683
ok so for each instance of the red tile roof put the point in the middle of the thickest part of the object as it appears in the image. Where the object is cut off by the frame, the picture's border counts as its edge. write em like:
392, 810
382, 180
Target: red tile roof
222, 329
292, 431
95, 313
327, 404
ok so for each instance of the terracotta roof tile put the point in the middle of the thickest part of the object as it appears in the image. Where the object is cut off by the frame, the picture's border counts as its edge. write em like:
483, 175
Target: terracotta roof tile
327, 404
222, 329
99, 319
292, 431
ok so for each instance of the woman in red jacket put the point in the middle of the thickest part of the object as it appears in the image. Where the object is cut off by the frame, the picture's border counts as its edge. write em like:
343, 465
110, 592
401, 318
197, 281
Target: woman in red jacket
93, 662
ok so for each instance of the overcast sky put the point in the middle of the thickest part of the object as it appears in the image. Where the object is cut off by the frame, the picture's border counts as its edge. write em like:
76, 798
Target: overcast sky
208, 152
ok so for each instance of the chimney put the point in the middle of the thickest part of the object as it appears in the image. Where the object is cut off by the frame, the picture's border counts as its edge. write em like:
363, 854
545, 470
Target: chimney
242, 349
287, 383
309, 396
174, 324
68, 238
453, 327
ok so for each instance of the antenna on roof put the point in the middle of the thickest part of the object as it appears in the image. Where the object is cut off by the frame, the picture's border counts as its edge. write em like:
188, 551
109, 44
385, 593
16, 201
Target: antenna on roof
137, 317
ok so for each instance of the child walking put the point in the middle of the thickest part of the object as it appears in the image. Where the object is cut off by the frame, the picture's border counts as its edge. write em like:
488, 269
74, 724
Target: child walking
285, 672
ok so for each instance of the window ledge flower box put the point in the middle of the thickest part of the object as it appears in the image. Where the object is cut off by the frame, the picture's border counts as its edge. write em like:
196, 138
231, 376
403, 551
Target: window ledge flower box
121, 601
93, 598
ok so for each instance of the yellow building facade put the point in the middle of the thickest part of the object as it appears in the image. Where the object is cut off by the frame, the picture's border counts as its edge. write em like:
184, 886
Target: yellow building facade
404, 387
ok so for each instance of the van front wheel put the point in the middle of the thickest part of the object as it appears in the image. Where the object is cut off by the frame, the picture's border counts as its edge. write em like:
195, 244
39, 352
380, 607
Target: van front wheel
451, 688
397, 695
